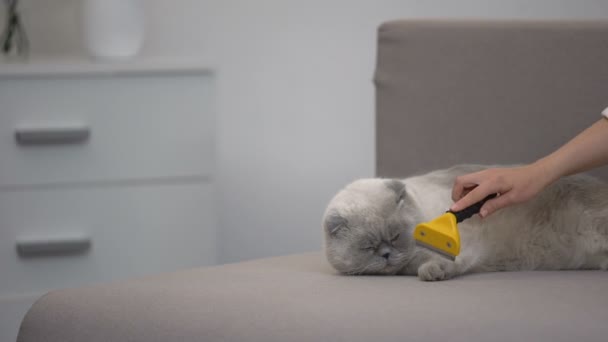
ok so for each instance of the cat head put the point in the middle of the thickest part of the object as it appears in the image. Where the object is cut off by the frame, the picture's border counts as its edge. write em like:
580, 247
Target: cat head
368, 227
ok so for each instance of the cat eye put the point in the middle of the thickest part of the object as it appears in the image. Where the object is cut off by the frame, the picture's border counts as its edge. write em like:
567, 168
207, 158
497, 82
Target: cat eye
395, 238
369, 248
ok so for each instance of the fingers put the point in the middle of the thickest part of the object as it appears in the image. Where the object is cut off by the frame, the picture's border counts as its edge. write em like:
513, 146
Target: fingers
495, 204
463, 185
458, 189
513, 184
476, 195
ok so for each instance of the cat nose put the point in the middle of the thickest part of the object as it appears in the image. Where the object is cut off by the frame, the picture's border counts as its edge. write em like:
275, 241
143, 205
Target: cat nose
386, 255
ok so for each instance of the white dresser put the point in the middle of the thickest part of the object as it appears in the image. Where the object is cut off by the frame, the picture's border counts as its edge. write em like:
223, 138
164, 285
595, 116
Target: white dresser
106, 172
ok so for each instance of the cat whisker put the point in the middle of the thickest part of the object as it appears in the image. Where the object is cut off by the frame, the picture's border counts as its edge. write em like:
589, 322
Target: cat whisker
362, 270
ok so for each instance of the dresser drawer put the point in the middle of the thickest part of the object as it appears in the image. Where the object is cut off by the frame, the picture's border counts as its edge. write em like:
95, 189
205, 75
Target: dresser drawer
133, 231
109, 128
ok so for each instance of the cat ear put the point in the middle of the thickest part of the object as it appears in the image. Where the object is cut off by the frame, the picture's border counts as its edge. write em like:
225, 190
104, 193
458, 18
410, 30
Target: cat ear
334, 222
398, 187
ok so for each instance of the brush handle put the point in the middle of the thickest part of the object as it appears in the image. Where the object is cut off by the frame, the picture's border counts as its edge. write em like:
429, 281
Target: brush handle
472, 210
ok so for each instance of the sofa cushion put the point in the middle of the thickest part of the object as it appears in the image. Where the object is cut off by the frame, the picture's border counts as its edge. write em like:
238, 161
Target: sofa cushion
301, 298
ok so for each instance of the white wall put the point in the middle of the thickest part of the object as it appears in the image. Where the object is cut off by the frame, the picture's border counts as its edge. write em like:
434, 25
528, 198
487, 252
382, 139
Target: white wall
296, 117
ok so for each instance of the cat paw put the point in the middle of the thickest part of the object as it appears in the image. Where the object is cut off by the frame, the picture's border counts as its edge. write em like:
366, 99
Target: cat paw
433, 271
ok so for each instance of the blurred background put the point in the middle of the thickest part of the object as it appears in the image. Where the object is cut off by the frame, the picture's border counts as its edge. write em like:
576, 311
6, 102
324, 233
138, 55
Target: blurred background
295, 100
221, 139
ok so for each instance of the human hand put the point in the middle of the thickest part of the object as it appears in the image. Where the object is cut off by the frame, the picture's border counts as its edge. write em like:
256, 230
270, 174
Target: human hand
514, 185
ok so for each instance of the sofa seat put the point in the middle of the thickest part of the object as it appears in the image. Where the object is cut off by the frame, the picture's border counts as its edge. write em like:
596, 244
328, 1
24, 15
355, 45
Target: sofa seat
301, 298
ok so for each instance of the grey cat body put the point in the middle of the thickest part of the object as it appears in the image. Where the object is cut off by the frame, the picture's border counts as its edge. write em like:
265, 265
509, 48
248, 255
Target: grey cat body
368, 228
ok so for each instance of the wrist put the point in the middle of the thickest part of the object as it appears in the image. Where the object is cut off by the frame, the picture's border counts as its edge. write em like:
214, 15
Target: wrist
548, 169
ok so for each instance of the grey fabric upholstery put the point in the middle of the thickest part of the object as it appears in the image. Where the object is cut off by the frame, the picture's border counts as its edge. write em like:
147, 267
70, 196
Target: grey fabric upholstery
447, 92
495, 92
300, 298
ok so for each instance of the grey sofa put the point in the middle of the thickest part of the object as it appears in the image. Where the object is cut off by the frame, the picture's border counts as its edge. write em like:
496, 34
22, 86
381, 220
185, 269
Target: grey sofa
447, 92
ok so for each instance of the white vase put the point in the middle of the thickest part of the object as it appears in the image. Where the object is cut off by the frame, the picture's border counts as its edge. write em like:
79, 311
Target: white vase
113, 29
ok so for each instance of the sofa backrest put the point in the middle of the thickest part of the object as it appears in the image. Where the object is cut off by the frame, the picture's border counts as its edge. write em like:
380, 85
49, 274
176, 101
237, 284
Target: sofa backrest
503, 92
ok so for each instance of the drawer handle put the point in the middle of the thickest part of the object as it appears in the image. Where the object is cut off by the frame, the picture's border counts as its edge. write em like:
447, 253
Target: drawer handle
58, 245
52, 135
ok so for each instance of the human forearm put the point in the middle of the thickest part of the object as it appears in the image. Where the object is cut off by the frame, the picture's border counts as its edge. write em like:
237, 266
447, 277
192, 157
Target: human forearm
586, 151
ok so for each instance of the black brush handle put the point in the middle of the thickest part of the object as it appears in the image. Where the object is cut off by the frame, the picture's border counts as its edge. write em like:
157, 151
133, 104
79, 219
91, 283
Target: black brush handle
472, 210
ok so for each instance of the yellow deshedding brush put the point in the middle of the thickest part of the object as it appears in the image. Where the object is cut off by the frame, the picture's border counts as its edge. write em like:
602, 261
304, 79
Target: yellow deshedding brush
441, 234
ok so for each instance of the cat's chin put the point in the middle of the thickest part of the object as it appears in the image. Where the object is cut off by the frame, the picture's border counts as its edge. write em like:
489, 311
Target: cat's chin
390, 269
387, 269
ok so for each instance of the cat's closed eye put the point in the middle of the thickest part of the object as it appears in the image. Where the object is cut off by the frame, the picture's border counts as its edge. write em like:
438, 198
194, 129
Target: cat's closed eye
395, 238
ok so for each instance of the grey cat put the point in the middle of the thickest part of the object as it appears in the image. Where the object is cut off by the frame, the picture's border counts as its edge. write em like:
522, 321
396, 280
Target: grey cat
368, 228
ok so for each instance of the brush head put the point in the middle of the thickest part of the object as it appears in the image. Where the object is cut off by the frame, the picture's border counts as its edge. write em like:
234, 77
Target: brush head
436, 250
439, 235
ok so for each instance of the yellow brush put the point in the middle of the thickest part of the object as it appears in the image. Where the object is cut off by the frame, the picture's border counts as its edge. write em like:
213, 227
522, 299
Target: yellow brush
441, 234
